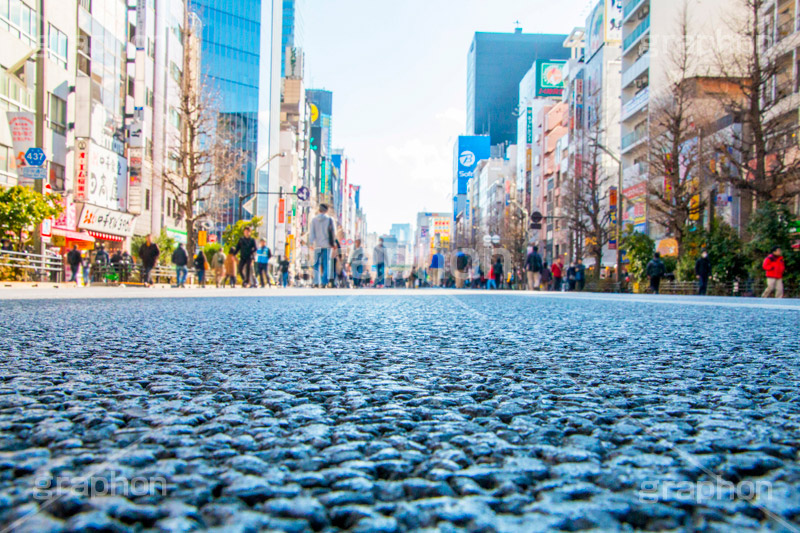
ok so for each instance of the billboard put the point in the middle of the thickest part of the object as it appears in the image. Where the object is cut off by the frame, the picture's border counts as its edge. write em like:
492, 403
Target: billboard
549, 78
469, 151
604, 25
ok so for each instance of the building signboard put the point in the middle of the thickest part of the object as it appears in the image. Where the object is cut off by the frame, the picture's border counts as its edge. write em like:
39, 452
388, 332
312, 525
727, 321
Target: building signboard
469, 151
550, 78
104, 220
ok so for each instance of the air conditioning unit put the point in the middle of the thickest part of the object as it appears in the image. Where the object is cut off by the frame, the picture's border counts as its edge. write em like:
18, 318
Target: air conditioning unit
644, 47
640, 84
644, 12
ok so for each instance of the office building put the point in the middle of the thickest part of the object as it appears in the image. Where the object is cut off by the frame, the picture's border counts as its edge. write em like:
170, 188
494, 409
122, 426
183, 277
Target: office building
497, 63
241, 56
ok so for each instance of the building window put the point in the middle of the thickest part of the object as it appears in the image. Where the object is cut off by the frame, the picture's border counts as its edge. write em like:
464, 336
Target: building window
148, 99
57, 44
84, 53
151, 49
19, 20
7, 164
58, 115
169, 207
147, 199
149, 149
14, 96
175, 72
57, 176
87, 5
174, 118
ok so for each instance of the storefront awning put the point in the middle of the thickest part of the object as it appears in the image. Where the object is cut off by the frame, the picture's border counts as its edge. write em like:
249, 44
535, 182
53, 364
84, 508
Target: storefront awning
105, 236
72, 235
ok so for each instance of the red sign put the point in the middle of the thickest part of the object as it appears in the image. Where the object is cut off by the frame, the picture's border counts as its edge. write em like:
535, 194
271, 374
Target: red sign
281, 211
81, 169
640, 189
212, 237
612, 196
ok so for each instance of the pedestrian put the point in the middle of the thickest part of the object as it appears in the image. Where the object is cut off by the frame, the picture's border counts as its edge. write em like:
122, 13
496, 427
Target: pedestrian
412, 278
533, 269
558, 274
180, 259
263, 255
230, 268
338, 264
497, 272
321, 240
283, 264
358, 260
774, 267
702, 269
218, 264
490, 283
462, 261
580, 274
86, 269
101, 261
148, 255
200, 266
436, 268
74, 262
547, 276
126, 263
116, 263
572, 277
379, 260
246, 248
656, 270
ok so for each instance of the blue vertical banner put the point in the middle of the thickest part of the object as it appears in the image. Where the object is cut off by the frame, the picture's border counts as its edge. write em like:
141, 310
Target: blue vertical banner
471, 150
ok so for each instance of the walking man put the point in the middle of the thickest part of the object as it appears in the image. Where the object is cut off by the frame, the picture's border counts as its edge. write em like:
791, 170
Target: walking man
379, 260
357, 261
702, 269
246, 248
283, 264
656, 270
148, 255
580, 274
533, 269
558, 274
263, 256
774, 267
180, 259
321, 239
74, 262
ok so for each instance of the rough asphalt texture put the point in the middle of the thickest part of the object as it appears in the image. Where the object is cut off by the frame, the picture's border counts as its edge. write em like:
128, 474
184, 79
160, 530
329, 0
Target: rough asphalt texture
370, 413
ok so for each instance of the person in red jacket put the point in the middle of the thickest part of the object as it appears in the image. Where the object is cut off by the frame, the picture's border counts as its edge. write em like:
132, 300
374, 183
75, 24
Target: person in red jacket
774, 267
558, 274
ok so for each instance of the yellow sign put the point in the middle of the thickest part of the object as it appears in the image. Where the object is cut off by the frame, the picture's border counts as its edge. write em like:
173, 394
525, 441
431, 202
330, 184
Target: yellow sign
314, 113
694, 208
202, 238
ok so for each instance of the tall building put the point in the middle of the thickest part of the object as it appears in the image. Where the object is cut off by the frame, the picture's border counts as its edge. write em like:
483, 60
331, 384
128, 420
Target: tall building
242, 57
496, 64
293, 31
649, 33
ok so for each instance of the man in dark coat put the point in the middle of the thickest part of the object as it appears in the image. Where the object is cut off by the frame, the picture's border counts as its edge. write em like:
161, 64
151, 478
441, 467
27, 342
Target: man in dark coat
246, 248
148, 255
702, 269
74, 262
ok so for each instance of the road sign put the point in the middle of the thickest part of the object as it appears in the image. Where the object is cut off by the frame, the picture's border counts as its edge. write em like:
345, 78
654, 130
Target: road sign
248, 205
303, 194
487, 239
47, 227
212, 238
536, 217
33, 173
496, 239
35, 157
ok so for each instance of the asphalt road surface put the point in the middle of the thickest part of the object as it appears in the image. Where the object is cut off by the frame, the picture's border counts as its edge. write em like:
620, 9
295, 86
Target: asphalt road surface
396, 411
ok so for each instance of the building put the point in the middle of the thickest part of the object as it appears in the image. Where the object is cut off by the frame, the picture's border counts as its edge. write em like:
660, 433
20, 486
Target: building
292, 33
432, 232
554, 236
649, 30
496, 64
242, 59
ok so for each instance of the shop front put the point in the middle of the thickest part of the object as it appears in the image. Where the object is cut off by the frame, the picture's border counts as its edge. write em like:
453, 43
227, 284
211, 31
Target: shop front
106, 226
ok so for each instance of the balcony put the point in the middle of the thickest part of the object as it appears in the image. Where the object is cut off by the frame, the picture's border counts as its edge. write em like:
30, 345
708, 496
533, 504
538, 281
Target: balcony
634, 174
784, 30
637, 69
636, 34
633, 139
630, 8
636, 103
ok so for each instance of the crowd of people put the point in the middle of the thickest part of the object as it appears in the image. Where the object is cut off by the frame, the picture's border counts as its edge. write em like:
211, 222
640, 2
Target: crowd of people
249, 263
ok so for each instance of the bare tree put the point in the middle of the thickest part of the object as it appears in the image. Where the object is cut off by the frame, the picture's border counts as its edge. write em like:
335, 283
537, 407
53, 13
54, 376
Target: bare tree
587, 199
677, 146
762, 155
204, 160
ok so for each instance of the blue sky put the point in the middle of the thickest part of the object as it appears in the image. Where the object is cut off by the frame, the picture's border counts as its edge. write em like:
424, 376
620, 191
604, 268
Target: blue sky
398, 69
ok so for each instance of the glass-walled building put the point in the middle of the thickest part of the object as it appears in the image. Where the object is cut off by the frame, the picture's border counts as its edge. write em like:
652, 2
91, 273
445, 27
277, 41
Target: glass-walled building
293, 25
239, 60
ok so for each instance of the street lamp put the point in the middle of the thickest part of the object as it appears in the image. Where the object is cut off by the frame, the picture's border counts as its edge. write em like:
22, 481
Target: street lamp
613, 156
247, 196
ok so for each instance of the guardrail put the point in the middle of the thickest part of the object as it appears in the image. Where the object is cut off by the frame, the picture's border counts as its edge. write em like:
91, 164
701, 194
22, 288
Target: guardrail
23, 266
746, 288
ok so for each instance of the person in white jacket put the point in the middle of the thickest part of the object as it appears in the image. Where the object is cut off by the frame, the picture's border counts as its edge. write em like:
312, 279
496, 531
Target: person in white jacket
322, 236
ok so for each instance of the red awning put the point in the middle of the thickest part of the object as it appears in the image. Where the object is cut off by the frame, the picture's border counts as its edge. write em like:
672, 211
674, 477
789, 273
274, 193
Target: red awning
105, 236
72, 235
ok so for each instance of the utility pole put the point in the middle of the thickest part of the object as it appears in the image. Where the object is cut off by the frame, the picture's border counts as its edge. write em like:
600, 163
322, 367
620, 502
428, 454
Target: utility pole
41, 92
